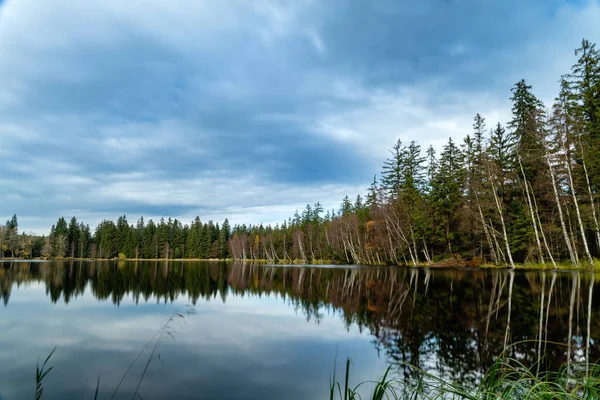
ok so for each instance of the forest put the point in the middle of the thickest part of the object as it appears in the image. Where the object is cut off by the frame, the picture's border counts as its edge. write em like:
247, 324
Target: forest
524, 191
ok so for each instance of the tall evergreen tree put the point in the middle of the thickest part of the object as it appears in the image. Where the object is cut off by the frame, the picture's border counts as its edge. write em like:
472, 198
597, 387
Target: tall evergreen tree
446, 192
527, 128
73, 238
85, 239
392, 174
502, 149
12, 223
373, 193
585, 95
224, 236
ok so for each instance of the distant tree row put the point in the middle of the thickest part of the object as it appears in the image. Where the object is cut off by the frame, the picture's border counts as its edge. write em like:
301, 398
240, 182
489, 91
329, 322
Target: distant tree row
170, 239
165, 239
526, 191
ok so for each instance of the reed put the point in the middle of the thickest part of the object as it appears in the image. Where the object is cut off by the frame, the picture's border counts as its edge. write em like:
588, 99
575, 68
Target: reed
165, 331
506, 379
40, 374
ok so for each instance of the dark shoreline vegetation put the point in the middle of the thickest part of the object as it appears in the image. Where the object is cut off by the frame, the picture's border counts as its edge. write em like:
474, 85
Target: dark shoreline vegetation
518, 334
453, 263
526, 193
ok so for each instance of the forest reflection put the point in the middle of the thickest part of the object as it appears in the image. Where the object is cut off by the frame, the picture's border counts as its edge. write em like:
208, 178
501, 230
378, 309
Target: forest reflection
453, 323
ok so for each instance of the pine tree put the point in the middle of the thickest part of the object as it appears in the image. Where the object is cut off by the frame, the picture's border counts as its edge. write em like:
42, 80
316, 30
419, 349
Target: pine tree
85, 238
373, 193
479, 129
586, 81
446, 192
59, 238
122, 236
11, 242
73, 238
150, 240
12, 223
432, 165
502, 150
391, 176
526, 125
584, 93
139, 238
224, 236
346, 207
413, 170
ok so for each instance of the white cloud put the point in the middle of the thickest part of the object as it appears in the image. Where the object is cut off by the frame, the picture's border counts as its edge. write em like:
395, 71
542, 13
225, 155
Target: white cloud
411, 113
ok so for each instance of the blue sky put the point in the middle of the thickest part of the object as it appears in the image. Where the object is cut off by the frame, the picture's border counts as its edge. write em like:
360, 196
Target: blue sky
250, 109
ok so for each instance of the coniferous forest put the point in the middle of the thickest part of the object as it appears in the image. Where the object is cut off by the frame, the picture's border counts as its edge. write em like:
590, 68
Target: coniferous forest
518, 191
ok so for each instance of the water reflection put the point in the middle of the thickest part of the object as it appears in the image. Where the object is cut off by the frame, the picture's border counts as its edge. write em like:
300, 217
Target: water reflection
452, 323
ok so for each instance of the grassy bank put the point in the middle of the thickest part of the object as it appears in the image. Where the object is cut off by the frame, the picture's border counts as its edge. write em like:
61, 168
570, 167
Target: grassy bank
562, 266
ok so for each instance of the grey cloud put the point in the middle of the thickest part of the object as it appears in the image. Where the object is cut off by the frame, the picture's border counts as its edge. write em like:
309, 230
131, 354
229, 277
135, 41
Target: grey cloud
291, 99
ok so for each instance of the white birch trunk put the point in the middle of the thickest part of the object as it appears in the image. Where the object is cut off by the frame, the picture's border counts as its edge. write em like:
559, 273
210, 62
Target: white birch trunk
499, 207
486, 232
578, 213
560, 211
590, 193
539, 221
530, 206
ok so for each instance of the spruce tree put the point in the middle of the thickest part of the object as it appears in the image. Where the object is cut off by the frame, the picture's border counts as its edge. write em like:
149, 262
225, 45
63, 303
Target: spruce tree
224, 236
502, 150
526, 124
73, 238
446, 193
372, 193
391, 176
584, 92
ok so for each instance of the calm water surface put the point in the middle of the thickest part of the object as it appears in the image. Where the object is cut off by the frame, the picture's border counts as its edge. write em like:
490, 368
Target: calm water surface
271, 332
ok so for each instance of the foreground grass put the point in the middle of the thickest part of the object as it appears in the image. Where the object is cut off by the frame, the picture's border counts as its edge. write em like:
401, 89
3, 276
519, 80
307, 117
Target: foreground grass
507, 379
560, 266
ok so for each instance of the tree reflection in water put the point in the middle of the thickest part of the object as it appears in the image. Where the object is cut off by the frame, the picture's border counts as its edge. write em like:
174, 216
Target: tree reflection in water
453, 323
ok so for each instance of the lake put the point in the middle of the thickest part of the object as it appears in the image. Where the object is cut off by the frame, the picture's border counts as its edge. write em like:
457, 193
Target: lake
243, 331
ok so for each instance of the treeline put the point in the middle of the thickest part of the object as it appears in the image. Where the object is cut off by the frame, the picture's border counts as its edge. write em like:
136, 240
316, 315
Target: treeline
15, 245
165, 239
523, 192
145, 240
526, 191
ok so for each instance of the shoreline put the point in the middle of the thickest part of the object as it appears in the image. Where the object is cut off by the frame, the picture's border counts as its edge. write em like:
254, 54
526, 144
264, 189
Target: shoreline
485, 266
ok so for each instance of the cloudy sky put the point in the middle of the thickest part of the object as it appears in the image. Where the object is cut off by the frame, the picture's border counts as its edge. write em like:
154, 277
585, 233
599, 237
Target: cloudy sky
250, 109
